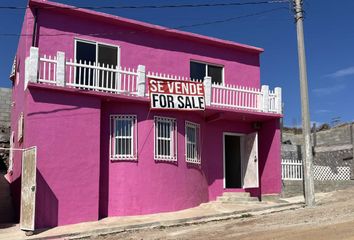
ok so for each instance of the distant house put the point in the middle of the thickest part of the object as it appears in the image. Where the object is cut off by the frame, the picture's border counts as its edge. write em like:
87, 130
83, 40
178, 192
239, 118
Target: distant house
81, 97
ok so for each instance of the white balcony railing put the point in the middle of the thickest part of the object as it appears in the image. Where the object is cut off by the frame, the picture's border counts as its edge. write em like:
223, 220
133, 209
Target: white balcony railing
100, 77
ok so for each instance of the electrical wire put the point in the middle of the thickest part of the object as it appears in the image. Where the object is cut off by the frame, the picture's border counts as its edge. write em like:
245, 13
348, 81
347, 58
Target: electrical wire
164, 29
152, 6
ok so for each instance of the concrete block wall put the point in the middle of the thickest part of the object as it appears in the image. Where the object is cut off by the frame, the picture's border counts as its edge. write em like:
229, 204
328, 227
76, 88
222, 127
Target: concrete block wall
5, 108
335, 136
333, 148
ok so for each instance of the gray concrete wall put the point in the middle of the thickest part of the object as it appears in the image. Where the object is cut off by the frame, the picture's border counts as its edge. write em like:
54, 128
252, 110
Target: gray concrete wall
333, 149
5, 108
295, 188
335, 136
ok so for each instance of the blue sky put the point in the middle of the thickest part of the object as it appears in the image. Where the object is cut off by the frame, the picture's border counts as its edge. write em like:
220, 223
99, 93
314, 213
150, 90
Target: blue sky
329, 39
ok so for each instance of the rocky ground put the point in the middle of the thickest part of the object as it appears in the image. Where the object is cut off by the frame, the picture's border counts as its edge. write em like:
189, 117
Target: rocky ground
332, 218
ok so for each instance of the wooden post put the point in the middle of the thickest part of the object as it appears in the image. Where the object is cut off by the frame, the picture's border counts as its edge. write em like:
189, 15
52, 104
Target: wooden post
207, 90
141, 81
60, 74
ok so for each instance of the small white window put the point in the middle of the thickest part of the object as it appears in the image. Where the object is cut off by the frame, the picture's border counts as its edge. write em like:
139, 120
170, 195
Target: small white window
11, 154
123, 137
20, 128
192, 136
165, 139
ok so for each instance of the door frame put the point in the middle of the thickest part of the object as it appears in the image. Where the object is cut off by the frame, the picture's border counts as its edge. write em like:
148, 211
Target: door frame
241, 135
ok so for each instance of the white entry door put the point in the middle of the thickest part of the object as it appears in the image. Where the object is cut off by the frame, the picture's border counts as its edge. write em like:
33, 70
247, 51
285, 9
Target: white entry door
28, 189
250, 161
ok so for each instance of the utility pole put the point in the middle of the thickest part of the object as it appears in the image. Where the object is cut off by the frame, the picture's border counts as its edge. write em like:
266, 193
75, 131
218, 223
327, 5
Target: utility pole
309, 190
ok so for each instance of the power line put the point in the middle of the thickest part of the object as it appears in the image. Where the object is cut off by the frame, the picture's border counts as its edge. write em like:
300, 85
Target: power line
164, 29
152, 6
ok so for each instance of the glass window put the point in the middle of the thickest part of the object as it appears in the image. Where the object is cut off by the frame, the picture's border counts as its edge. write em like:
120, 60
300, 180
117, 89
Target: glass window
123, 137
199, 70
192, 138
165, 139
94, 54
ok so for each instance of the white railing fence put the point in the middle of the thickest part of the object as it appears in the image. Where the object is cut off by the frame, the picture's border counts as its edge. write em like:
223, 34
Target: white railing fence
236, 97
291, 169
47, 69
57, 70
101, 77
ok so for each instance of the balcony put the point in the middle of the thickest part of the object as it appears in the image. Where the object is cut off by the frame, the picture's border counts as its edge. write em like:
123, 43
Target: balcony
90, 76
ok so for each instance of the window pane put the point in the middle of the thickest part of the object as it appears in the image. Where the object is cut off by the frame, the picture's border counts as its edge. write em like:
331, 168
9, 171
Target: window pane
215, 73
85, 52
107, 55
164, 147
124, 146
197, 70
191, 134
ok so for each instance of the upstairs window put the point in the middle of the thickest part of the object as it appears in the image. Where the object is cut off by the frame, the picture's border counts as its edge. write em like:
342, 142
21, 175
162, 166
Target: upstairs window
199, 70
165, 139
123, 137
192, 140
96, 54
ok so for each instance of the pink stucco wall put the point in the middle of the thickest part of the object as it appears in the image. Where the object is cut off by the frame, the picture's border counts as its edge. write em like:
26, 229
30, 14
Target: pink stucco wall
18, 102
147, 186
66, 130
76, 179
158, 52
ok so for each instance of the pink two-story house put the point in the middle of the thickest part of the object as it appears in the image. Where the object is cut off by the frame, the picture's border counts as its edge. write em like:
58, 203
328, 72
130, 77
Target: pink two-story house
80, 96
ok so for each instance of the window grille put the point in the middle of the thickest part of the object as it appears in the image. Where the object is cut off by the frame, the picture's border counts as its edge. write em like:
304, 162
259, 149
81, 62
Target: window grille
192, 139
123, 137
165, 139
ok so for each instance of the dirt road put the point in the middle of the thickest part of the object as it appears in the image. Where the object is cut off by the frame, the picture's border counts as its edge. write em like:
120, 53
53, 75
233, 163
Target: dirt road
332, 218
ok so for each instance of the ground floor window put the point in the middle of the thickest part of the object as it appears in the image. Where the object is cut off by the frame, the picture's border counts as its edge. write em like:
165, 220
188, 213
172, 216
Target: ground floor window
123, 137
192, 139
165, 139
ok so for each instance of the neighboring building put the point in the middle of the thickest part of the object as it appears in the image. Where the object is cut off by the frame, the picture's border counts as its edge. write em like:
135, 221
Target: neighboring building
101, 150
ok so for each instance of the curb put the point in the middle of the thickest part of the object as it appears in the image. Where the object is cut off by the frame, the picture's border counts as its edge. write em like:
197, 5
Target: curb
175, 223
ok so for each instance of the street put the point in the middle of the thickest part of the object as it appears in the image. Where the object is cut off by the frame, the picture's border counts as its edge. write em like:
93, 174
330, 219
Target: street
332, 218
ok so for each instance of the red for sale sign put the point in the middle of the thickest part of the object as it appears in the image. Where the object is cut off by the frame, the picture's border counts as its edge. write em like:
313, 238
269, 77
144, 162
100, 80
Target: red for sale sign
173, 94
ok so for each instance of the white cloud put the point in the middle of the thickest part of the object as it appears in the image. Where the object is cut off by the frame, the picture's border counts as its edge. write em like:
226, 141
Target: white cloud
320, 111
342, 72
328, 90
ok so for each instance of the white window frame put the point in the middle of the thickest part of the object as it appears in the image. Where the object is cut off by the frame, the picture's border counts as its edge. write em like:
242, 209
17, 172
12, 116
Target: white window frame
114, 151
96, 43
172, 139
20, 124
197, 153
11, 154
206, 70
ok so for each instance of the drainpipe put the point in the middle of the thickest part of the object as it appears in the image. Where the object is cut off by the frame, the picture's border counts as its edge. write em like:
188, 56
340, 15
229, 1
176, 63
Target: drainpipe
34, 34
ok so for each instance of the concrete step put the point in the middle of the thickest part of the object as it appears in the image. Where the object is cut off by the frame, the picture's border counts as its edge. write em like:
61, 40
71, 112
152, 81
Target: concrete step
236, 199
240, 194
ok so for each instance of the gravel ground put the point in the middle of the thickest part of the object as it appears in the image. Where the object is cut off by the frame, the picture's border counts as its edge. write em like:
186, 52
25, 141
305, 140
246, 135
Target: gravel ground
332, 218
